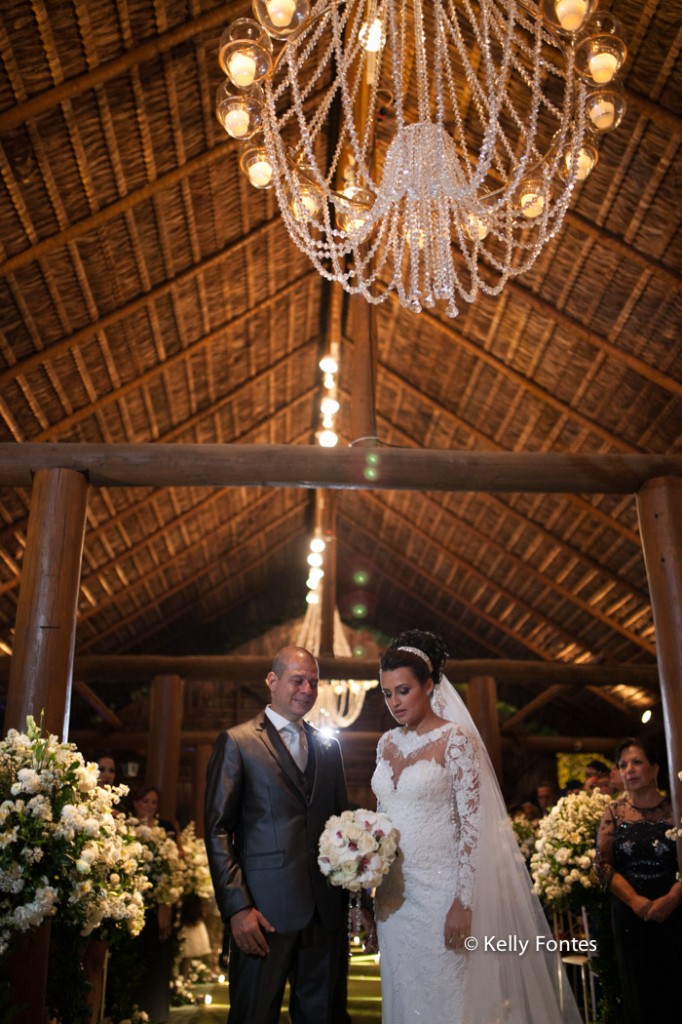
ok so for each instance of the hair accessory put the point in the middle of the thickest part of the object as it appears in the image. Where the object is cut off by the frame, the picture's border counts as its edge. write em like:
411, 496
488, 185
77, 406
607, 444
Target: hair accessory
420, 654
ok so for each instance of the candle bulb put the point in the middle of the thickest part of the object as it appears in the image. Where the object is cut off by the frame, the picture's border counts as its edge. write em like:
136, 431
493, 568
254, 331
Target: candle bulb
603, 67
571, 13
584, 164
281, 12
602, 114
242, 68
237, 122
532, 204
260, 173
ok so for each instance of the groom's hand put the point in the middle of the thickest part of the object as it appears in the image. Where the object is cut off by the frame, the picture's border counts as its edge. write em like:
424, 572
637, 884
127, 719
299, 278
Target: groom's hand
247, 927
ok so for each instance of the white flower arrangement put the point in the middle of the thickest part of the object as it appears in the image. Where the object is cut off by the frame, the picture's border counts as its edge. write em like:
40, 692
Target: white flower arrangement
161, 863
138, 1017
562, 865
526, 833
356, 849
61, 848
197, 876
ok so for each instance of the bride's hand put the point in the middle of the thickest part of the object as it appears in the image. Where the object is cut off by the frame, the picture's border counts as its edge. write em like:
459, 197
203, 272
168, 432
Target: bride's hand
457, 926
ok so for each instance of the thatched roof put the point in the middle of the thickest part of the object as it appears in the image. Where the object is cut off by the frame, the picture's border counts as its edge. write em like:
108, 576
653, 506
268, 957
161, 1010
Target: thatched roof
149, 294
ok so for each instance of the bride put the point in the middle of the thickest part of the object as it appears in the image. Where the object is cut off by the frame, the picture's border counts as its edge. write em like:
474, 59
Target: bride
462, 937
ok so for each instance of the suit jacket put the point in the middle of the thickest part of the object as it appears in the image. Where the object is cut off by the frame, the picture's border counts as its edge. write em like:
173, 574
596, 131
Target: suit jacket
263, 822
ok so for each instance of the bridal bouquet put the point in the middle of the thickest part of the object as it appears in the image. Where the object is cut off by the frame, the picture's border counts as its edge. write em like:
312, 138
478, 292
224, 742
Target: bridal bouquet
356, 849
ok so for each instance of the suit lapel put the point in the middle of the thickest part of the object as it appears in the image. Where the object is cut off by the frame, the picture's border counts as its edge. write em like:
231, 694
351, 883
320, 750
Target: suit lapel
270, 737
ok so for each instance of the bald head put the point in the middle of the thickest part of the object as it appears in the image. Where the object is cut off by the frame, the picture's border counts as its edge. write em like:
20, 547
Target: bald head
293, 682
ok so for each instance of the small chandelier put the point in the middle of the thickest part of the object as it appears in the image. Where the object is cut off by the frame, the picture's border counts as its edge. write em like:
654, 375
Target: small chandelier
339, 701
412, 144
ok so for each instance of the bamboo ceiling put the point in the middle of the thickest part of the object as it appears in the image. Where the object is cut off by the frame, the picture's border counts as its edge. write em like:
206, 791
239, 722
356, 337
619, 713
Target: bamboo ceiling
149, 294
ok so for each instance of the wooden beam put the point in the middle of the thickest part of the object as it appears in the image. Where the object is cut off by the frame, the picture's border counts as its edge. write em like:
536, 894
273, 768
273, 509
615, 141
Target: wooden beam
533, 705
97, 704
42, 664
570, 744
350, 740
241, 668
361, 330
659, 507
224, 465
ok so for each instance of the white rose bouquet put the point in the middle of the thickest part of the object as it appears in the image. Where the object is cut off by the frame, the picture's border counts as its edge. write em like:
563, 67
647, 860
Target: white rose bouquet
356, 849
562, 865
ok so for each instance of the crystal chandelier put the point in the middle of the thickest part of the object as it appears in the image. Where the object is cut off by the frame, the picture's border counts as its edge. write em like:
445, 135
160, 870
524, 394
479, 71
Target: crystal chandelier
426, 148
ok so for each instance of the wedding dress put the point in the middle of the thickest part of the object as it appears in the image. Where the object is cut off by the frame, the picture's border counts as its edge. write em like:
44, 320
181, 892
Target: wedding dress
455, 840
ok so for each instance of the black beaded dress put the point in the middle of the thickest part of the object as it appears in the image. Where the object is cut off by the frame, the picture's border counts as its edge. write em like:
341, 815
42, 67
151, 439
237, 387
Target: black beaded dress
633, 843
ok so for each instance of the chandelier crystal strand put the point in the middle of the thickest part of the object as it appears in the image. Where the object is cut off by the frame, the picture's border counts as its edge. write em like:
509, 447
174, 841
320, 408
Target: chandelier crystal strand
427, 149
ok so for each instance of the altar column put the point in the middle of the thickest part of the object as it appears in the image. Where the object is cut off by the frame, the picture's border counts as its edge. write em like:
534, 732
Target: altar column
163, 754
482, 705
202, 755
41, 670
659, 507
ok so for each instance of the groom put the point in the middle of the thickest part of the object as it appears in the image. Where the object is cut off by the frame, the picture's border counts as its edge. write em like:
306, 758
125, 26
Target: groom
270, 789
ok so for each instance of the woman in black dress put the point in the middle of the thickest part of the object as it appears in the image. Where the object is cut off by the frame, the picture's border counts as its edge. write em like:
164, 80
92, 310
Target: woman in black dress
638, 866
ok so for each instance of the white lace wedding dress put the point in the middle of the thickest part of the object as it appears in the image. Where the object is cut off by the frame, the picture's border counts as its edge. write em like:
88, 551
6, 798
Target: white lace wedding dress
428, 786
455, 840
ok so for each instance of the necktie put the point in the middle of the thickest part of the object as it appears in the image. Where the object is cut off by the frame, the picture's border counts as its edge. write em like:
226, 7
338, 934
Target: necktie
294, 738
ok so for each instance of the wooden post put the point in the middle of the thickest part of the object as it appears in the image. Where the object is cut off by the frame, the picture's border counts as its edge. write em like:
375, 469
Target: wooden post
659, 507
482, 705
327, 516
202, 754
165, 727
42, 659
360, 328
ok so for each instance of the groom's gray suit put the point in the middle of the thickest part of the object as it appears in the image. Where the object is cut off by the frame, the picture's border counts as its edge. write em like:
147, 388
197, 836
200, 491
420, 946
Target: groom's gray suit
263, 821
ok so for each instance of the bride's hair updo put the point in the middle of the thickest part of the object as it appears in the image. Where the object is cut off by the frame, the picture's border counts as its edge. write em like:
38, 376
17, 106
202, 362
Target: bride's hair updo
430, 645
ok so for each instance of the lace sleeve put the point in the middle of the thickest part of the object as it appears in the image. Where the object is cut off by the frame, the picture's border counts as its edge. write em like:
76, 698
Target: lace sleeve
464, 764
